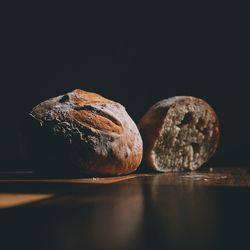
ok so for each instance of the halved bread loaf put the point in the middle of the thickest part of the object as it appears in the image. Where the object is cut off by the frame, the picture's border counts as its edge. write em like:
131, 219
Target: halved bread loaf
179, 133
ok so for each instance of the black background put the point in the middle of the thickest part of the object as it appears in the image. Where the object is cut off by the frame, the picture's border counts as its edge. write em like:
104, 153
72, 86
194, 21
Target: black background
135, 55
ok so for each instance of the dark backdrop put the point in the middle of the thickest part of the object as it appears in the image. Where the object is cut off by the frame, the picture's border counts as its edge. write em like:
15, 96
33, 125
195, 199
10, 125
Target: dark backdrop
135, 55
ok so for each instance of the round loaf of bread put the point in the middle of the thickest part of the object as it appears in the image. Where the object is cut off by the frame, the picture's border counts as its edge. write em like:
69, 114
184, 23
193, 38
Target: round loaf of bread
83, 132
179, 133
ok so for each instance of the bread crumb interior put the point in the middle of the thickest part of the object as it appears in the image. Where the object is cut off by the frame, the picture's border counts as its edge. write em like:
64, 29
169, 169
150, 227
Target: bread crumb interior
186, 138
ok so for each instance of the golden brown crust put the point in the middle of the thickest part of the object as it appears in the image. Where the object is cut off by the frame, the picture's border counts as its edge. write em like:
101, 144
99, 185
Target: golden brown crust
151, 123
149, 127
85, 132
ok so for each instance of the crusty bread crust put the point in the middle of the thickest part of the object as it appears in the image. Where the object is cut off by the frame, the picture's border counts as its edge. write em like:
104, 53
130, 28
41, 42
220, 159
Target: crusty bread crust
84, 132
152, 122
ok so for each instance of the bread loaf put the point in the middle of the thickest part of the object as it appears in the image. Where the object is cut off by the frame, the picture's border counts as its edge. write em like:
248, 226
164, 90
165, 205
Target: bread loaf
180, 133
83, 132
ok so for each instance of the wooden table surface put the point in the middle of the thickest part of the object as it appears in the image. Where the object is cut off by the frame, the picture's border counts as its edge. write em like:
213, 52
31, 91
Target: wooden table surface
207, 209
